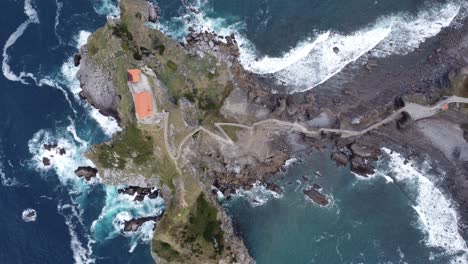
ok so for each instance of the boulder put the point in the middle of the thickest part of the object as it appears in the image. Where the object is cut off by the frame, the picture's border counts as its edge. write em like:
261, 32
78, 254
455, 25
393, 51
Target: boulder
50, 146
46, 161
274, 188
361, 167
86, 172
340, 158
336, 49
140, 192
77, 59
316, 196
153, 13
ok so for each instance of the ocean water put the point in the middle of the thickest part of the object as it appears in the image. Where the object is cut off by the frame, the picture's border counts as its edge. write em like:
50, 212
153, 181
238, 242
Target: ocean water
397, 216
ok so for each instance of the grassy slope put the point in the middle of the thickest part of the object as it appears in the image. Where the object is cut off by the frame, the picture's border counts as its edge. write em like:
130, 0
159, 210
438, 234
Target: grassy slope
191, 233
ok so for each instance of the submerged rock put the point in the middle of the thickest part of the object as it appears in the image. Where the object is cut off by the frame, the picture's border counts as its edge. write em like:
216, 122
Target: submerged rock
140, 192
135, 223
316, 196
29, 215
87, 172
340, 158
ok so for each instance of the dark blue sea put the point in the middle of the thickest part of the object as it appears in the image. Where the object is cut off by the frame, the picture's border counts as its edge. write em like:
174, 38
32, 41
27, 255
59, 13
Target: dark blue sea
396, 216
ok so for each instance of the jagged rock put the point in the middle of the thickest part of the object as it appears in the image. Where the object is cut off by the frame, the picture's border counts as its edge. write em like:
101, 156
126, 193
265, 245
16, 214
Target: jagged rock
46, 161
274, 188
359, 166
153, 13
340, 158
316, 196
141, 192
87, 172
62, 151
29, 215
50, 146
190, 29
76, 59
366, 152
135, 223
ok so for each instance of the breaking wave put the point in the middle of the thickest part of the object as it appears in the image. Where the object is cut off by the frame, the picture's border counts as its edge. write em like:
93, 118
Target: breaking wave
107, 7
121, 208
32, 19
437, 216
315, 60
258, 195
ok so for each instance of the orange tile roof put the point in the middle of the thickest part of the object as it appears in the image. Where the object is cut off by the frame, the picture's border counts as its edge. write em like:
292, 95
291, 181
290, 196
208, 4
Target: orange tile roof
133, 75
143, 104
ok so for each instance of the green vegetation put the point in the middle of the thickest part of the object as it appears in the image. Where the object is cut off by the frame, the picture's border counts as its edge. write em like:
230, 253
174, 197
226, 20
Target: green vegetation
166, 251
130, 144
203, 223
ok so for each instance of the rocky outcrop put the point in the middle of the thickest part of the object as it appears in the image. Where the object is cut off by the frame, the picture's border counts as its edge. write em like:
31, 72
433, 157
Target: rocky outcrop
97, 85
77, 59
152, 12
86, 172
46, 161
365, 151
135, 223
316, 196
360, 166
340, 158
274, 188
140, 192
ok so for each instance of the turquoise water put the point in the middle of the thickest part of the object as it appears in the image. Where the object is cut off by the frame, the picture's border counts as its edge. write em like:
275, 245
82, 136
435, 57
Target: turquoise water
368, 221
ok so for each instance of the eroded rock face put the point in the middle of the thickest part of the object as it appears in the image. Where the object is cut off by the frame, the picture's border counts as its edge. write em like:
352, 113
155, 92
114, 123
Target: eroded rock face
97, 85
316, 196
135, 223
86, 172
141, 192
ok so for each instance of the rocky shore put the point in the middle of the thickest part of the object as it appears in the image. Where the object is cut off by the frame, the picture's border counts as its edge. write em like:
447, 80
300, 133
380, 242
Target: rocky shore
244, 156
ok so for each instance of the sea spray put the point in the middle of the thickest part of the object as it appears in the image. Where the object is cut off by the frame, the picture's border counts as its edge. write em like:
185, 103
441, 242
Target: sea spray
316, 59
436, 213
120, 208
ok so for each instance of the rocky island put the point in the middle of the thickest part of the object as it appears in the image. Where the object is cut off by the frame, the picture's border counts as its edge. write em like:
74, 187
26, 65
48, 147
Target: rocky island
194, 120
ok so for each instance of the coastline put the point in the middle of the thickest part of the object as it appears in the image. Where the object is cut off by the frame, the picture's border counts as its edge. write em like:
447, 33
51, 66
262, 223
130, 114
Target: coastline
360, 98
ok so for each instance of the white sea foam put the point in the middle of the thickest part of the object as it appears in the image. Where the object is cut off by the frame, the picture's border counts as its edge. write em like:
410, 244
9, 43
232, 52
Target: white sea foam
81, 254
57, 19
107, 7
82, 38
29, 215
68, 73
120, 208
313, 60
32, 18
437, 216
258, 195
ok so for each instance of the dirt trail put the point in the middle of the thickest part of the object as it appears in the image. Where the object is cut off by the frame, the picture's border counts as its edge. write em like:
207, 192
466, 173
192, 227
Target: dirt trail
416, 112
